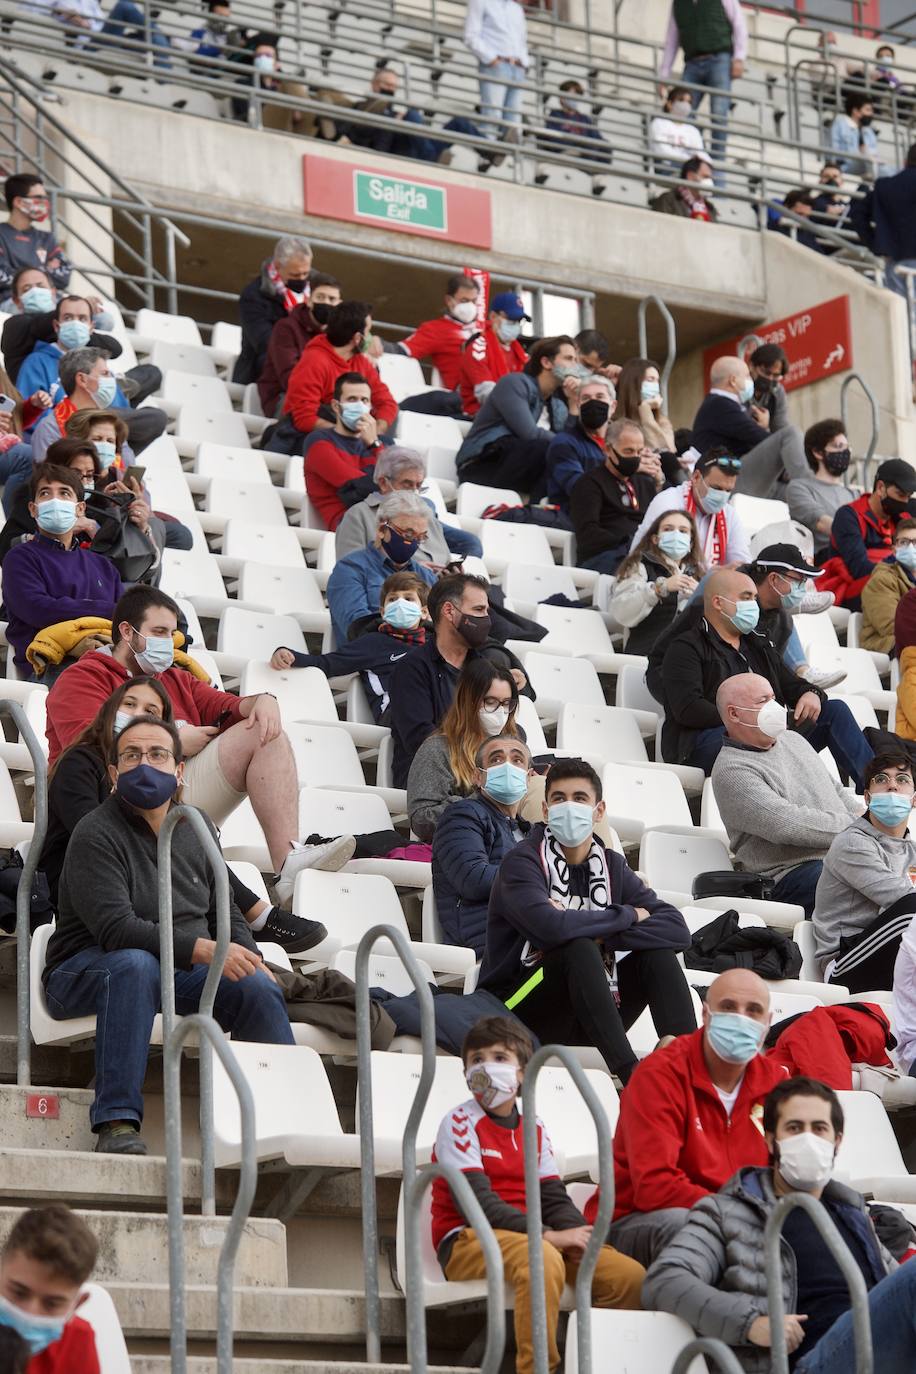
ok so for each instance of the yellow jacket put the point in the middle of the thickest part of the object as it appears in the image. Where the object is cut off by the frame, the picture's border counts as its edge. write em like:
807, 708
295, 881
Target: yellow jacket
905, 724
55, 642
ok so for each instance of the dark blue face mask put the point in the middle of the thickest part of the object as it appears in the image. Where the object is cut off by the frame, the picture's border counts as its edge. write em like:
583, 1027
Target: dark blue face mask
146, 787
399, 549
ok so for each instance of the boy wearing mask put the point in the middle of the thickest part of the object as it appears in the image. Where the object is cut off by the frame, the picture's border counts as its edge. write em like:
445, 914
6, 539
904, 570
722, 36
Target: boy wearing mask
47, 1257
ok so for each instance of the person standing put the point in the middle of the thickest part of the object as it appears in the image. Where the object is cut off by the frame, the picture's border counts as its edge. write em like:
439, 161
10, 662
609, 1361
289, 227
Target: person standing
713, 36
497, 35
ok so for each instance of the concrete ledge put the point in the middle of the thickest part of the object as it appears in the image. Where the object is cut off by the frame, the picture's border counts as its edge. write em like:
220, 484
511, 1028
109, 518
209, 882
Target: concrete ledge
311, 1316
96, 1181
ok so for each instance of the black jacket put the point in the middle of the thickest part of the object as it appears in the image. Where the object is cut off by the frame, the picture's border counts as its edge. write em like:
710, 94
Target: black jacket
722, 421
885, 219
259, 310
22, 332
689, 664
80, 784
603, 514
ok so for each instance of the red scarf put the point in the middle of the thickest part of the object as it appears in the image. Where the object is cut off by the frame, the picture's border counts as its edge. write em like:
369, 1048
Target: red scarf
417, 636
289, 298
716, 545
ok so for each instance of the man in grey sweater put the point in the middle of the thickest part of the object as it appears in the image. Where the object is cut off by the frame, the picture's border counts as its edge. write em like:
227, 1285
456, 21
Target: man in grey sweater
866, 897
779, 804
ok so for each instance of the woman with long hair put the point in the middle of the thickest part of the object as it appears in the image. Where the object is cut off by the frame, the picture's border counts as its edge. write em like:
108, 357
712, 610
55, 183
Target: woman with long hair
639, 398
79, 782
444, 767
657, 579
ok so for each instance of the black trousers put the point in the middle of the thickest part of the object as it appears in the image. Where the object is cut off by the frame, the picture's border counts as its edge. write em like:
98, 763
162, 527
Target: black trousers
519, 464
574, 1005
435, 403
866, 960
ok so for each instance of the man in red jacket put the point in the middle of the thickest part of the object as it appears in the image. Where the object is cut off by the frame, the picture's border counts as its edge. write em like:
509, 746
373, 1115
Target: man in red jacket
233, 746
691, 1116
494, 352
344, 454
442, 339
341, 348
290, 335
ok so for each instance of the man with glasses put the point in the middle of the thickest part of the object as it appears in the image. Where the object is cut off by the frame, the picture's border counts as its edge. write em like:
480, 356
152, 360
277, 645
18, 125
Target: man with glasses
706, 498
728, 415
103, 958
885, 589
22, 242
355, 585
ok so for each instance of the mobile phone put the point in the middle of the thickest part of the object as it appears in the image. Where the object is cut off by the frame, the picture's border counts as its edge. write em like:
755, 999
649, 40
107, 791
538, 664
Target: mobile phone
134, 471
7, 404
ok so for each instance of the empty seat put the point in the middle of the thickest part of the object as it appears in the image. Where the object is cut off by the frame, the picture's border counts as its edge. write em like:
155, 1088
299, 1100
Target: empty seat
402, 375
633, 1342
245, 635
240, 464
195, 426
504, 544
637, 798
178, 357
756, 512
207, 395
194, 576
423, 431
156, 324
528, 583
244, 540
473, 499
869, 1156
558, 679
231, 498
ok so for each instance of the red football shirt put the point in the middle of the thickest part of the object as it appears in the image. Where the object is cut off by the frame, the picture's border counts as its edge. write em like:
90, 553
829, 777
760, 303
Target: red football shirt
442, 341
74, 1353
486, 360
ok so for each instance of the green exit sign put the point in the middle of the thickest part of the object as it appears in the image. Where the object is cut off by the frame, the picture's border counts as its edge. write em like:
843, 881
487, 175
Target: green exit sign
409, 203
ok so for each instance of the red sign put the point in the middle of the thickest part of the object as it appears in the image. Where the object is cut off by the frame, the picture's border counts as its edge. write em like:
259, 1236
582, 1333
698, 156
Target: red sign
482, 279
364, 194
43, 1104
817, 341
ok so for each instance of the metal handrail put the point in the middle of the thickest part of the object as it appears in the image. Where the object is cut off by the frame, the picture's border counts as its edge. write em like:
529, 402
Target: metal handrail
533, 1207
723, 1355
473, 1213
671, 345
367, 1139
844, 413
21, 721
211, 1034
840, 1254
214, 856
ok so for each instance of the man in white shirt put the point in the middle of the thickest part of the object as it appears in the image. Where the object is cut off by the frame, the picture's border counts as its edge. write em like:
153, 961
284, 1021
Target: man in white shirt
705, 497
497, 35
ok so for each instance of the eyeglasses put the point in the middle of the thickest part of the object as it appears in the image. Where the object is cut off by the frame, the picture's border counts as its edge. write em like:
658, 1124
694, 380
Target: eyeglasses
157, 755
494, 704
901, 779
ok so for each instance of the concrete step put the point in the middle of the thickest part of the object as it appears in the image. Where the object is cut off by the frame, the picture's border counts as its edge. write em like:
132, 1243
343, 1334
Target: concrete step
61, 1123
134, 1245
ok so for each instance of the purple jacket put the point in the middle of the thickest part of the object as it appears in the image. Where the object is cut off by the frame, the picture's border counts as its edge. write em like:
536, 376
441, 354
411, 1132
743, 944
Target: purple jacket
45, 584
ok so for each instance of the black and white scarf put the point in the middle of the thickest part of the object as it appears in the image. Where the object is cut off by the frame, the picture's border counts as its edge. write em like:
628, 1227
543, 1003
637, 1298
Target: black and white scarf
556, 870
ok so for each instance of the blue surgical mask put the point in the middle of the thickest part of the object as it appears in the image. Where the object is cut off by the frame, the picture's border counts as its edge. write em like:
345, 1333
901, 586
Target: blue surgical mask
506, 783
793, 598
105, 391
735, 1038
352, 412
675, 544
158, 655
507, 330
73, 334
38, 300
747, 392
122, 719
146, 787
905, 555
649, 390
571, 822
563, 370
37, 1332
713, 500
402, 614
890, 808
55, 516
747, 613
265, 62
106, 451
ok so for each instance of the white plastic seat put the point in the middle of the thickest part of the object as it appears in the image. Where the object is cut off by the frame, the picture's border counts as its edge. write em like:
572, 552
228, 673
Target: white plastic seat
229, 498
633, 693
326, 756
526, 716
818, 636
402, 375
783, 532
557, 679
869, 1157
287, 591
179, 357
385, 971
440, 458
15, 756
245, 541
861, 679
295, 1113
244, 465
670, 860
330, 812
505, 543
637, 797
613, 733
194, 576
98, 1309
756, 512
226, 342
643, 1034
304, 694
424, 431
582, 633
195, 426
161, 453
245, 635
633, 1342
473, 498
207, 395
157, 324
529, 583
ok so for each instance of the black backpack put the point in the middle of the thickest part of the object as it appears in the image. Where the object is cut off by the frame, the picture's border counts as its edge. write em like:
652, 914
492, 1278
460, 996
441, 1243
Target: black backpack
723, 944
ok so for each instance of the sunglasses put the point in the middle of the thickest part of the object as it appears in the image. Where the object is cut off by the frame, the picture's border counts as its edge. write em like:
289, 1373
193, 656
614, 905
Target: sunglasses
726, 464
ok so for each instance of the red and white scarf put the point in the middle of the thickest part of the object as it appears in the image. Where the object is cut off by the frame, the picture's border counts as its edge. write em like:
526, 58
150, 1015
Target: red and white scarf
289, 298
715, 545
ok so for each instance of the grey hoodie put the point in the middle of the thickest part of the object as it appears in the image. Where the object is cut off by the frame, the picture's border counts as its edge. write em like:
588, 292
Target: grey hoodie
865, 871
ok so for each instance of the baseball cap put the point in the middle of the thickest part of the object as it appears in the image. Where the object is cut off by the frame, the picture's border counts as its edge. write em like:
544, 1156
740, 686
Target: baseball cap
896, 473
510, 305
786, 558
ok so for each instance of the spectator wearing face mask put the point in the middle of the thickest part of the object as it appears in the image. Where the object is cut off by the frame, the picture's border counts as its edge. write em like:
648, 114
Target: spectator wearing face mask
692, 199
573, 119
655, 582
639, 398
777, 801
341, 459
442, 341
444, 767
706, 498
46, 1260
863, 531
581, 445
852, 138
260, 55
890, 582
815, 497
86, 384
290, 335
608, 502
281, 285
768, 366
22, 242
31, 320
341, 348
355, 584
728, 415
400, 132
492, 353
673, 136
781, 575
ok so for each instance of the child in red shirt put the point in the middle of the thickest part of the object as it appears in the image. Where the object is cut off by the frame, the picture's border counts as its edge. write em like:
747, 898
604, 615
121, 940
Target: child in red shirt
47, 1258
483, 1138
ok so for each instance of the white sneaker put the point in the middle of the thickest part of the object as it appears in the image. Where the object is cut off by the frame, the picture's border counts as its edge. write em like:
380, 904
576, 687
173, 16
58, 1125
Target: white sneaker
815, 602
821, 677
330, 856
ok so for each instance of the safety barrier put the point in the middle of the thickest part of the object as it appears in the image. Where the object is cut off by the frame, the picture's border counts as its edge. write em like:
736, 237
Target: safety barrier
671, 346
875, 423
722, 1354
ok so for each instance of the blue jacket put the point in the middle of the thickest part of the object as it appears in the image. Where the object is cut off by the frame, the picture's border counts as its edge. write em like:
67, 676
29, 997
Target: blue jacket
40, 372
470, 842
372, 655
44, 584
355, 586
520, 912
569, 456
513, 407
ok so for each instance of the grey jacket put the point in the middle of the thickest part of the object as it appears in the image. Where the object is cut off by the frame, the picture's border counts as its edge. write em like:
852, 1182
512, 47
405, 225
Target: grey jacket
865, 872
713, 1274
431, 785
357, 530
513, 407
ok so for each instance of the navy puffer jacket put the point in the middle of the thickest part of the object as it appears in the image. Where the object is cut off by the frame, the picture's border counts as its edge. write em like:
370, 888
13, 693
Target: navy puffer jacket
471, 838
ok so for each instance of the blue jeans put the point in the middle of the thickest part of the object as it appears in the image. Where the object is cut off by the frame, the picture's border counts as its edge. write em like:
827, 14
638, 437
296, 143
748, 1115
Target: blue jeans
121, 988
499, 101
835, 729
16, 466
462, 542
892, 1308
715, 69
125, 20
799, 885
793, 655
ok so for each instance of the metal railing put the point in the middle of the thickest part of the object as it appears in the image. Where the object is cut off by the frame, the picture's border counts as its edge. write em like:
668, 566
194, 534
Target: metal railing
533, 1208
875, 421
17, 714
671, 341
839, 1253
722, 1354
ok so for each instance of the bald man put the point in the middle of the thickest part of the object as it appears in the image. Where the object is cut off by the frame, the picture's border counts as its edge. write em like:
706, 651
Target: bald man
688, 665
779, 804
690, 1117
728, 416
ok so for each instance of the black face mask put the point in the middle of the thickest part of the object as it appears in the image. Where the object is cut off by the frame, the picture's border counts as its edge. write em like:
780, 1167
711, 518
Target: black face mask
594, 414
625, 466
865, 121
322, 312
837, 461
474, 630
893, 508
296, 284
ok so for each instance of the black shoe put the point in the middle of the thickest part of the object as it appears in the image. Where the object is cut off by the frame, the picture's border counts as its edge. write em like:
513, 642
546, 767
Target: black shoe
120, 1138
294, 933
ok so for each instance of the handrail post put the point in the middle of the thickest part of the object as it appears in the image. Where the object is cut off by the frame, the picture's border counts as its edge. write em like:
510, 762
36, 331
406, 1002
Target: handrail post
709, 1346
367, 1140
844, 414
171, 270
15, 710
533, 1208
671, 339
208, 1032
214, 973
840, 1253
